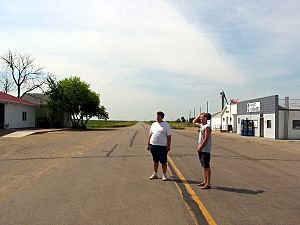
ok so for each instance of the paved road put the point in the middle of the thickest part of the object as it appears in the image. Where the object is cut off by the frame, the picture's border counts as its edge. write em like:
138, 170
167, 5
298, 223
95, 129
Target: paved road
101, 177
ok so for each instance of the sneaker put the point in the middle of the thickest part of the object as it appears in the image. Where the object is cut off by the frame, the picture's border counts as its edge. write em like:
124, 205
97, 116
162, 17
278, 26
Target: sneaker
164, 177
153, 176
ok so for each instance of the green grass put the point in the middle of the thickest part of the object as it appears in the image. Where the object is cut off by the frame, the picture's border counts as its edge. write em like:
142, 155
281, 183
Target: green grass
94, 124
175, 125
180, 126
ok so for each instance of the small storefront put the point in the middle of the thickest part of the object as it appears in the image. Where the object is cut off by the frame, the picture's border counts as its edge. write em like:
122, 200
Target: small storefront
269, 117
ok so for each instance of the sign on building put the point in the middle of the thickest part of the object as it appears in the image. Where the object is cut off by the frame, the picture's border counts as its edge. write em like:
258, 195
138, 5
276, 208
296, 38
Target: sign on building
253, 107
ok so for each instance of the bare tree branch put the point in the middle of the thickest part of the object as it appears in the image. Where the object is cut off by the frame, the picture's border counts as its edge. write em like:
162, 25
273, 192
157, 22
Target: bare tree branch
6, 84
25, 74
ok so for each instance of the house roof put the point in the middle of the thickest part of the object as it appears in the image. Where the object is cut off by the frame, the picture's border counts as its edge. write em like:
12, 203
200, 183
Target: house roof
36, 98
12, 99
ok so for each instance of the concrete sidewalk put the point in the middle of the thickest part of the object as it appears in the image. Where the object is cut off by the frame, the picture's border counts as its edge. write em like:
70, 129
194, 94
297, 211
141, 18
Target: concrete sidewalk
23, 133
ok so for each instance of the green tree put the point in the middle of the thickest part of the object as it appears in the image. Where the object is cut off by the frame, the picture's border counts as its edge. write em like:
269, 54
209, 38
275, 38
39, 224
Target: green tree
178, 120
75, 98
54, 107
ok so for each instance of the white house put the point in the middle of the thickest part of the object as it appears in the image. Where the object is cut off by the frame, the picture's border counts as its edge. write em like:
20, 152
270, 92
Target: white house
270, 117
228, 118
16, 112
215, 121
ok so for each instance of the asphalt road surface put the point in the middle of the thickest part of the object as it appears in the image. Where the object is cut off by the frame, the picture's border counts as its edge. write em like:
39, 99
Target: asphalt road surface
101, 177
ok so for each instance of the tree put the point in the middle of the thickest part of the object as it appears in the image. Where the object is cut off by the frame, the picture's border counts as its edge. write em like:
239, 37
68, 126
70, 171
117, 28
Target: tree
6, 83
102, 114
25, 74
55, 102
178, 120
183, 119
75, 98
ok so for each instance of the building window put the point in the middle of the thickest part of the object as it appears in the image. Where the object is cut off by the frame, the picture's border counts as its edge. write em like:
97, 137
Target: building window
239, 120
223, 119
24, 116
268, 123
296, 124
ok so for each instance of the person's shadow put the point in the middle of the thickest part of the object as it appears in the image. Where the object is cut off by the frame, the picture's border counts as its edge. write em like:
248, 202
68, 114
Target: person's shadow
238, 190
219, 188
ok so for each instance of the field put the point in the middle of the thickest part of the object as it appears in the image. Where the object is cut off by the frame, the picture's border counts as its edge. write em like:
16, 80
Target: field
176, 125
180, 125
94, 124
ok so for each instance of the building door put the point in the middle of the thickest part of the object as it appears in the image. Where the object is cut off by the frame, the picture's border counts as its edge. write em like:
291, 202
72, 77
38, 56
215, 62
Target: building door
1, 115
235, 122
261, 127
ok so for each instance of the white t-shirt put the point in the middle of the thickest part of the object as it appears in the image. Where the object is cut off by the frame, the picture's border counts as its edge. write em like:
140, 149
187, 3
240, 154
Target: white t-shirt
160, 132
207, 147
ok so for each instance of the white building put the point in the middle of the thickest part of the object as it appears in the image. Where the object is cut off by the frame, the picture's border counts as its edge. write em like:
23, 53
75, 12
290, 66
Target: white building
271, 117
42, 118
215, 121
16, 112
228, 118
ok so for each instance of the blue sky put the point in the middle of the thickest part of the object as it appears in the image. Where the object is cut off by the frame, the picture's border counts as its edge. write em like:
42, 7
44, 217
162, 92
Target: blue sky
144, 56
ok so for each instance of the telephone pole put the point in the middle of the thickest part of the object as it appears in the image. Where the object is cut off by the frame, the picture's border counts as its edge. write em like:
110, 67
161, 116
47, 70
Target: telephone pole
207, 106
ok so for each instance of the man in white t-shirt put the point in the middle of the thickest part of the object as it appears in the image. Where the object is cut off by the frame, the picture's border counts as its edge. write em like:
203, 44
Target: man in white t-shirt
159, 143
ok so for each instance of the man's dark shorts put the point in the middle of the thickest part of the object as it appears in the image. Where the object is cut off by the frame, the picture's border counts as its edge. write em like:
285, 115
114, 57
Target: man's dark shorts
204, 158
159, 153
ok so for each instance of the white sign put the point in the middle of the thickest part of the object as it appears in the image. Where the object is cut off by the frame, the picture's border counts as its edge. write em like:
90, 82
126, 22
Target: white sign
253, 107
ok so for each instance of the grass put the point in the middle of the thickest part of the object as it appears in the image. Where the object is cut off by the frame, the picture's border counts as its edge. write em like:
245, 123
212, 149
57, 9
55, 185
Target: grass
180, 125
94, 124
175, 125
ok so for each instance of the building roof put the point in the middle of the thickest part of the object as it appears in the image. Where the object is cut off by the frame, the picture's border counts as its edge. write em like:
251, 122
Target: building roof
217, 114
36, 98
12, 99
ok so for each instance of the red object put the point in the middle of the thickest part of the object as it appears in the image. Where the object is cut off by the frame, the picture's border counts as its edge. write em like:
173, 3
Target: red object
12, 99
233, 101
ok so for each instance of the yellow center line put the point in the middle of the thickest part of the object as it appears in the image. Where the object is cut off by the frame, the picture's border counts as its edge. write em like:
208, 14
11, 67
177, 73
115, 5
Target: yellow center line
180, 191
192, 193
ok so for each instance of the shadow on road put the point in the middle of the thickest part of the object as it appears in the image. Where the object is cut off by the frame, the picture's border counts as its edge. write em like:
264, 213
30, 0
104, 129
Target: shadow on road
227, 189
238, 190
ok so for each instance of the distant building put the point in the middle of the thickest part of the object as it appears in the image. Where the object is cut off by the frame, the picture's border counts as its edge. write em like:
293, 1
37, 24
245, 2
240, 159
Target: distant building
215, 121
270, 117
228, 117
42, 118
16, 112
225, 120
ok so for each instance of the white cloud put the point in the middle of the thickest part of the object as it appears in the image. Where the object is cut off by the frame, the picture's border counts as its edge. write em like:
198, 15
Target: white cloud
140, 35
110, 43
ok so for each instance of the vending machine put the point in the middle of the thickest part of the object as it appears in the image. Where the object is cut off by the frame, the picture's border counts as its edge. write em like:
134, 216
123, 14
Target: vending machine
247, 128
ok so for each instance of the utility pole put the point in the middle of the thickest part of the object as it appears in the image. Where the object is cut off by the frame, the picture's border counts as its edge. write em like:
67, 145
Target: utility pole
207, 106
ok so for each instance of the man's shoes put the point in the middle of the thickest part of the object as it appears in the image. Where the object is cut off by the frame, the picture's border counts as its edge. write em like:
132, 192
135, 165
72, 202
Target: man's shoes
164, 177
153, 176
201, 184
206, 187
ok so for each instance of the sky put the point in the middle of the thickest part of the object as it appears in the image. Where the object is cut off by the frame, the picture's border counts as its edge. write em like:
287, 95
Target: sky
175, 56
